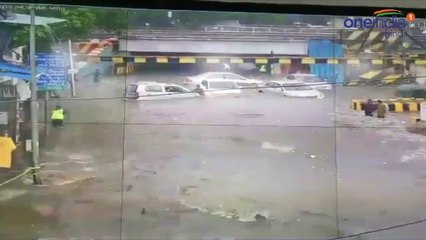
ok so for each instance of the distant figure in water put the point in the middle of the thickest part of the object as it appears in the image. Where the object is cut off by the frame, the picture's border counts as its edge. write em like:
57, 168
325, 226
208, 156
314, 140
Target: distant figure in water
369, 108
97, 75
382, 109
199, 90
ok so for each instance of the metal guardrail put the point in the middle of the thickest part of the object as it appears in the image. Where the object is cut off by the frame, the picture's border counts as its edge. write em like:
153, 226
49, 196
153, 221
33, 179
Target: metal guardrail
295, 34
262, 29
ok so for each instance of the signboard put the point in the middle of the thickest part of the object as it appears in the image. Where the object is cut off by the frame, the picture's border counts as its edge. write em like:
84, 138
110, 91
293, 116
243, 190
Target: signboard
52, 72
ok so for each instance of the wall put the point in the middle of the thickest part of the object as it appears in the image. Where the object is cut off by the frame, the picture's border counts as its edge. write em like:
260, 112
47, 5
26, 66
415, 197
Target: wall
218, 47
327, 49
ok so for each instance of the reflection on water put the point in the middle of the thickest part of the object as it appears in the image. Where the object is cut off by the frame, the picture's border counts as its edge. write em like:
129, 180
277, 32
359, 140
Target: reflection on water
27, 217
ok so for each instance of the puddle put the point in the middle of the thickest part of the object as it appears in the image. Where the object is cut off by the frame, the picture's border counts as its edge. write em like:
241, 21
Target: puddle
80, 157
70, 181
271, 146
8, 194
314, 214
250, 115
242, 216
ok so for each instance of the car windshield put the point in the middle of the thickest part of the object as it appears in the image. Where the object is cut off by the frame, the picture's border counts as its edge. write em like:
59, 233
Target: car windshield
297, 87
223, 85
176, 89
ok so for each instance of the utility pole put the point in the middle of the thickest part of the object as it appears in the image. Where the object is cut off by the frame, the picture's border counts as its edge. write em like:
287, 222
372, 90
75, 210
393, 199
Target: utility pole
71, 58
34, 105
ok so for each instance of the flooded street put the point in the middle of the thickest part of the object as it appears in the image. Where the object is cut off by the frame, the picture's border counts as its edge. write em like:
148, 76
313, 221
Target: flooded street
252, 166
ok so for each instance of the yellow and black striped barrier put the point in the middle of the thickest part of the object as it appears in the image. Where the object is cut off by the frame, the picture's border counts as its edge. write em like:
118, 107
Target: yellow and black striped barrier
373, 39
377, 76
394, 105
256, 60
123, 70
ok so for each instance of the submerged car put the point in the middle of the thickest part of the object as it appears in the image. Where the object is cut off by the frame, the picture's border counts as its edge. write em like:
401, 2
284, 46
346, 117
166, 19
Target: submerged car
157, 91
292, 89
213, 87
310, 79
241, 81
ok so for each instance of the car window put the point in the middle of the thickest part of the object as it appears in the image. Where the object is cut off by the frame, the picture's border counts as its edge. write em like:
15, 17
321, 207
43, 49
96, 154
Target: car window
291, 77
154, 88
297, 87
223, 85
175, 89
269, 84
215, 76
233, 77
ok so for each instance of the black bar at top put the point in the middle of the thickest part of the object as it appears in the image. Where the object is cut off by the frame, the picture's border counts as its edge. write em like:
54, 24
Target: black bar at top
236, 7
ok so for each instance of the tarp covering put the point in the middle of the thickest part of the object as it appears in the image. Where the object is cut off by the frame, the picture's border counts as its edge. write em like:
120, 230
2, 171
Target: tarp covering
334, 73
26, 19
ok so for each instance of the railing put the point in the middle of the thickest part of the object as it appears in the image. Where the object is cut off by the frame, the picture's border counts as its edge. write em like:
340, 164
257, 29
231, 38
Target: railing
265, 28
235, 33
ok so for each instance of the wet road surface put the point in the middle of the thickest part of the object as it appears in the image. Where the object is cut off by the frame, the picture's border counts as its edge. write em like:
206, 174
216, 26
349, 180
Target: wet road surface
208, 168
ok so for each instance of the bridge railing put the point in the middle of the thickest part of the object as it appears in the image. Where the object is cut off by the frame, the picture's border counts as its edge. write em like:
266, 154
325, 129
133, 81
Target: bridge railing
266, 29
234, 33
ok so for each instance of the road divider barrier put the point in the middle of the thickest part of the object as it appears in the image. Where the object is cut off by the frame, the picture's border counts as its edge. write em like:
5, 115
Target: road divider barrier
394, 105
125, 70
238, 60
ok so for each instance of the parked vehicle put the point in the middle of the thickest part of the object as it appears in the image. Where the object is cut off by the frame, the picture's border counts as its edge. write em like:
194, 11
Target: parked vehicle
156, 91
310, 79
292, 89
241, 81
219, 87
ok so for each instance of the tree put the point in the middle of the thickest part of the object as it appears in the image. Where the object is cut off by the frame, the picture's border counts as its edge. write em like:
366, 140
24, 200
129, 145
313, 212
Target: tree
191, 19
111, 20
79, 23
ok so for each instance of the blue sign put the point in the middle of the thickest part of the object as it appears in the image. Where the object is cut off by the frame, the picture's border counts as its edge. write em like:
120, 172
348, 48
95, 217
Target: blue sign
52, 72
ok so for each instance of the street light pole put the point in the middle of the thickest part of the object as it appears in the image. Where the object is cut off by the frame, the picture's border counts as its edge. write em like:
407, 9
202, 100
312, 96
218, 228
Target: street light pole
34, 105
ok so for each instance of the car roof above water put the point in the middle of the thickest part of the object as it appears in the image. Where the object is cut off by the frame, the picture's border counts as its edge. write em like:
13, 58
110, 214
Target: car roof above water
283, 82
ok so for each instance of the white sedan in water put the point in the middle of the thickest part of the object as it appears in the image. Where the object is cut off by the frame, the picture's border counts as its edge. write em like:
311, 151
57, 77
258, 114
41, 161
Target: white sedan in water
310, 79
157, 91
222, 76
292, 89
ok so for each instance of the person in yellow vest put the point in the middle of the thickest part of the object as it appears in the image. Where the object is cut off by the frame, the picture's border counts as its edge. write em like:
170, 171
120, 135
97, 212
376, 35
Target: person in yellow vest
7, 146
57, 117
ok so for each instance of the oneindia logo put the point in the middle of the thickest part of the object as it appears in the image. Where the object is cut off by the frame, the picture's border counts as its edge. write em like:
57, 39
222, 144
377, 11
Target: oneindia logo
390, 21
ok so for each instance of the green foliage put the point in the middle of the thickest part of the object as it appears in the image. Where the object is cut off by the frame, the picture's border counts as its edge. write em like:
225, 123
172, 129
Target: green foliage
111, 20
190, 19
81, 22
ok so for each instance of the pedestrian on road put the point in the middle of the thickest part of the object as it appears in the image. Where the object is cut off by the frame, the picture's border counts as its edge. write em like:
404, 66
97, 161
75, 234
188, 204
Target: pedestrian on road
57, 117
97, 75
382, 109
369, 108
199, 90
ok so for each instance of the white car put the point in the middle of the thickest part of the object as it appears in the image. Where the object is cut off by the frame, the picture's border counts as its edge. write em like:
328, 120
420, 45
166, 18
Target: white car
157, 91
223, 76
310, 79
213, 87
292, 89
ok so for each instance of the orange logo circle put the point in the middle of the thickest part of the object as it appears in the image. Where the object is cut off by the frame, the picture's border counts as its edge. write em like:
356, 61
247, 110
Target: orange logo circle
411, 17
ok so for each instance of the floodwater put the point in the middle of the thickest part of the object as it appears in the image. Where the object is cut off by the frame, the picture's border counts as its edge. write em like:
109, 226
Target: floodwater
253, 166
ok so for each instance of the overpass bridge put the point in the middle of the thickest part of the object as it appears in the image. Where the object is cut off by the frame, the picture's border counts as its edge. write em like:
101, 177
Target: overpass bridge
224, 40
254, 39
